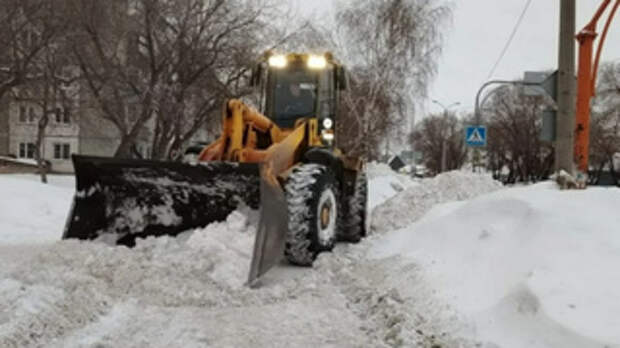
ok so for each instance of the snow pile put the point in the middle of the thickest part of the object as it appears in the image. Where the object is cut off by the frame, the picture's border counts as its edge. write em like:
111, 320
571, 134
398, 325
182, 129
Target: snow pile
411, 204
19, 160
189, 291
384, 183
31, 212
521, 267
185, 291
530, 267
90, 294
229, 245
377, 169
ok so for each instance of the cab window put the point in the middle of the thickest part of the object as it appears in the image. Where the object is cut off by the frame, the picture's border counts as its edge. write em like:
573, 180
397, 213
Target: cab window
295, 96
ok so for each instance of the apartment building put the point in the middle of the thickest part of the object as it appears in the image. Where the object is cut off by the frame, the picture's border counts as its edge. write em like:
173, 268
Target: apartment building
75, 126
4, 127
61, 134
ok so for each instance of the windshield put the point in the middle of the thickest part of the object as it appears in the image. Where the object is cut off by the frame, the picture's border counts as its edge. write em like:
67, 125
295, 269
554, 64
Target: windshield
295, 96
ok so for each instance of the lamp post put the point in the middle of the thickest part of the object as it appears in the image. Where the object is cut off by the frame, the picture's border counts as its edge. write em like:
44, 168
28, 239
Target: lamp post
444, 147
478, 106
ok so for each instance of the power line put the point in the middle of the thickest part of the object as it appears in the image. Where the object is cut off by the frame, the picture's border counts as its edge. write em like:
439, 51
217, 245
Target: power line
512, 36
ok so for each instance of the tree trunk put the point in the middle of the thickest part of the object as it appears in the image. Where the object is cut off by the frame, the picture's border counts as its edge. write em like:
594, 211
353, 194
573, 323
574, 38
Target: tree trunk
124, 148
128, 141
38, 147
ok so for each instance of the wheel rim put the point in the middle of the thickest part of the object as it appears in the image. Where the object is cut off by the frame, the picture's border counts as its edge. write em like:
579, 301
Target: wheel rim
326, 217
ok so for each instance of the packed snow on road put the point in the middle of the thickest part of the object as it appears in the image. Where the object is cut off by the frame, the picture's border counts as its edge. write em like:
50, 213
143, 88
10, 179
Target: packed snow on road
453, 261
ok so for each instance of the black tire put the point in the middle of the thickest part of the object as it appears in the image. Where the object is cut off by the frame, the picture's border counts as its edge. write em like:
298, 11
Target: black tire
310, 190
358, 221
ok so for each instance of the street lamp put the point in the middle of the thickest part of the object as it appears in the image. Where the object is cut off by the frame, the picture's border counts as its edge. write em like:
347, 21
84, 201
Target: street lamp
478, 105
444, 147
445, 108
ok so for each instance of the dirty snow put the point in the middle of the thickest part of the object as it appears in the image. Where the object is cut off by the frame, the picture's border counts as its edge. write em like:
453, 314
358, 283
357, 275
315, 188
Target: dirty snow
136, 217
384, 292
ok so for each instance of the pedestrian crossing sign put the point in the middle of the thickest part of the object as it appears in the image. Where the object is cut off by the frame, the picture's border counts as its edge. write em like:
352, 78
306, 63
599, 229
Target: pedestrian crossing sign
476, 136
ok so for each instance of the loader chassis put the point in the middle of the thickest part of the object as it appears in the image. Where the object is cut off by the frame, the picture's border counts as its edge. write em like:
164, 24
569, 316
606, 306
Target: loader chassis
283, 160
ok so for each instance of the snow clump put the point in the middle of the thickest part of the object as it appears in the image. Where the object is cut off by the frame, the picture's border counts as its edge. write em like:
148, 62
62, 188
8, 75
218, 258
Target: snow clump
411, 204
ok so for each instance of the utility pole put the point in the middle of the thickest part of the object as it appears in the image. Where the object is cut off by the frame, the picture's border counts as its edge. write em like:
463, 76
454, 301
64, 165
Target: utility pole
566, 98
444, 146
444, 142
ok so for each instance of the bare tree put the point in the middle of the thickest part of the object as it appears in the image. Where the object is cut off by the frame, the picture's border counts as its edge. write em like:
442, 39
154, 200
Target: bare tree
25, 30
365, 122
392, 46
33, 59
514, 144
436, 134
56, 92
172, 63
605, 123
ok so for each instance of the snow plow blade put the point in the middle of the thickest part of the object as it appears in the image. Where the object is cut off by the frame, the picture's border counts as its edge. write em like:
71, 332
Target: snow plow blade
120, 200
272, 228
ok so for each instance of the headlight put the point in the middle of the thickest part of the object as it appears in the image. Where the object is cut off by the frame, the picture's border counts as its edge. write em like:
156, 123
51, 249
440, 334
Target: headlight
328, 123
317, 62
278, 61
327, 136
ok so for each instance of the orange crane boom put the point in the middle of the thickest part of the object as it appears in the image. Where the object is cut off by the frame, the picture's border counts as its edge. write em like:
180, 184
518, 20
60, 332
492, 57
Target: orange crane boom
586, 81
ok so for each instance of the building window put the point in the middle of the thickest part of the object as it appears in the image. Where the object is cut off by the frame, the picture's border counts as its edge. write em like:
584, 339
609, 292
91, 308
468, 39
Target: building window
31, 150
66, 151
62, 151
66, 116
26, 150
62, 115
22, 114
27, 114
31, 115
58, 113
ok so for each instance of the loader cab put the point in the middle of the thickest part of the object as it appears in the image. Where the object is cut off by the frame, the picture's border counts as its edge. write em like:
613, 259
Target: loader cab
299, 86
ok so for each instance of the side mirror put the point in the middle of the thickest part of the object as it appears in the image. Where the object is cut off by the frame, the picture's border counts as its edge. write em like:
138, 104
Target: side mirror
341, 77
257, 72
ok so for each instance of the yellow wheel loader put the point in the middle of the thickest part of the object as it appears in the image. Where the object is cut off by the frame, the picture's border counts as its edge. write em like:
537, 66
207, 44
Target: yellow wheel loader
283, 161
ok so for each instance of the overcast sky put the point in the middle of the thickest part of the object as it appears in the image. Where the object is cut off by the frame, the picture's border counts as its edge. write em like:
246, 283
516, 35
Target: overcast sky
480, 29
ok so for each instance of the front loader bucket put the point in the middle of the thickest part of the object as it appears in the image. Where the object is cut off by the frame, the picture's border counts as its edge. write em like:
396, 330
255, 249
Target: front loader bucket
120, 200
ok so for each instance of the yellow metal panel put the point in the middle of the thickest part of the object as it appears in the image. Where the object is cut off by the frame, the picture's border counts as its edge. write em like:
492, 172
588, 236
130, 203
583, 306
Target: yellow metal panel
236, 134
282, 155
314, 136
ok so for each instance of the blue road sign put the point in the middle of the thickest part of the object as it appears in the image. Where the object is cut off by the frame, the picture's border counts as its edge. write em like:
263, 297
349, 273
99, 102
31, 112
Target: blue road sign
476, 136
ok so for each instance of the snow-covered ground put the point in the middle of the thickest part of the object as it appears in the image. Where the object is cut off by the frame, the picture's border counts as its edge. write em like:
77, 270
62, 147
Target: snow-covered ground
30, 212
524, 267
385, 183
19, 160
530, 266
59, 180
